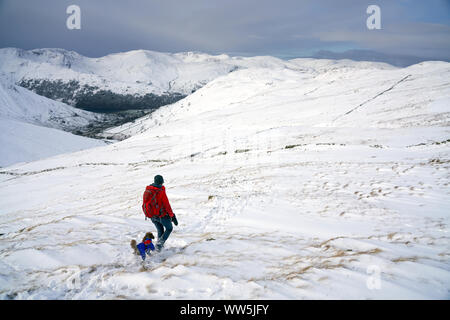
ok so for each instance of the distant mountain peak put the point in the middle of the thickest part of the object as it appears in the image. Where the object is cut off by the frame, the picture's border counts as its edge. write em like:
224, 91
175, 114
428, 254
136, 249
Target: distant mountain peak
369, 55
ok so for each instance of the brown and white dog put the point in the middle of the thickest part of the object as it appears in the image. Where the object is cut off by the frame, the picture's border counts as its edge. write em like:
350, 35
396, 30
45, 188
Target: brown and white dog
144, 246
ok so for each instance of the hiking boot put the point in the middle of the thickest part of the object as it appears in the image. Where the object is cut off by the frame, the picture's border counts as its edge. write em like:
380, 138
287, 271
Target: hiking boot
158, 247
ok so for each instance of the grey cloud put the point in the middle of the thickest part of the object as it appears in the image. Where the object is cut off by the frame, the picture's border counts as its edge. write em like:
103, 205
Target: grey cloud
251, 27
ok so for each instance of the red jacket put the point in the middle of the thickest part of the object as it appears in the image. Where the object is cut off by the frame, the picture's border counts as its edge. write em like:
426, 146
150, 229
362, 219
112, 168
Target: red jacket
155, 202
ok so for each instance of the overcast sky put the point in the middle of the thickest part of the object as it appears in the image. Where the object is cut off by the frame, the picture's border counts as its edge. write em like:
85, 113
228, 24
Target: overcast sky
283, 28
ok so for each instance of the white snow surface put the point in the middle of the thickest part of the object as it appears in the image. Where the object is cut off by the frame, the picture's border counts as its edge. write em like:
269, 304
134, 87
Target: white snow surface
31, 126
327, 180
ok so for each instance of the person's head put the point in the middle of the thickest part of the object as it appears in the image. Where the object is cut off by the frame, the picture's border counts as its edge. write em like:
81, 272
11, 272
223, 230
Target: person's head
158, 180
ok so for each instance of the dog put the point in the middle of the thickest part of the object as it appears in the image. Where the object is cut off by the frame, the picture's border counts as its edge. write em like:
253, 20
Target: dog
144, 246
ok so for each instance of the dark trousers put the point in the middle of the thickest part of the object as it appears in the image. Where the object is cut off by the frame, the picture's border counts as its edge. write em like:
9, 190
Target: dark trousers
164, 227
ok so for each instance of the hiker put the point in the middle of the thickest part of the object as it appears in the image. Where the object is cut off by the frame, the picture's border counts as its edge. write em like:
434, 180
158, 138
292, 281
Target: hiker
156, 207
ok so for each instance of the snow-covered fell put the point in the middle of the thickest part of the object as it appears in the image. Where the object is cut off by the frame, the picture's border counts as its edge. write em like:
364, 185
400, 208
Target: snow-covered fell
138, 79
31, 126
318, 180
133, 72
23, 105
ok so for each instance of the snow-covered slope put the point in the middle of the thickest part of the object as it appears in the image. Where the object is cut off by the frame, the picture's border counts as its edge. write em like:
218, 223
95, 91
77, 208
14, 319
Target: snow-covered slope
328, 180
24, 142
129, 80
312, 73
23, 105
31, 126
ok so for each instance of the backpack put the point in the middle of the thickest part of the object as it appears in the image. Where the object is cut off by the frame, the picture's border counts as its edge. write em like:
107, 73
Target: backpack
150, 204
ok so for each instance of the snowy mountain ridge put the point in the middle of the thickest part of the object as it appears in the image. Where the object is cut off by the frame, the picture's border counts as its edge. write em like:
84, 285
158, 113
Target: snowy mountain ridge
128, 80
138, 78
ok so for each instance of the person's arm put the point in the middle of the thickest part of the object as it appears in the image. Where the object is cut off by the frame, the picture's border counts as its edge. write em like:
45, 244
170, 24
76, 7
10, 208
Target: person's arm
166, 203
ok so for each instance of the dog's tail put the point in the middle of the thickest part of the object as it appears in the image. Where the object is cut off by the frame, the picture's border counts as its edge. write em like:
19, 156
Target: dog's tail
134, 246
